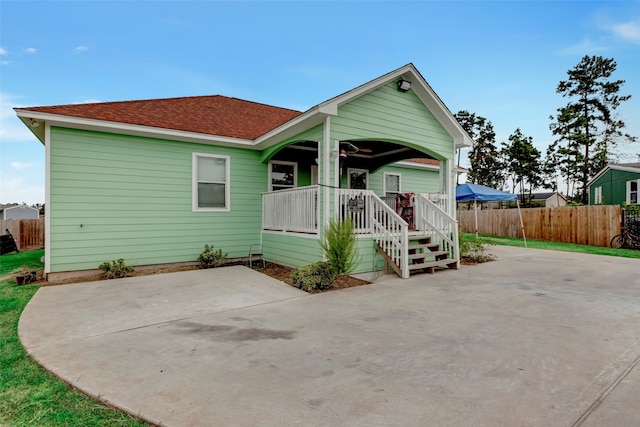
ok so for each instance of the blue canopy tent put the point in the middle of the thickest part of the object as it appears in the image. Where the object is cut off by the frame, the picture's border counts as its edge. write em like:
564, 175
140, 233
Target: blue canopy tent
475, 192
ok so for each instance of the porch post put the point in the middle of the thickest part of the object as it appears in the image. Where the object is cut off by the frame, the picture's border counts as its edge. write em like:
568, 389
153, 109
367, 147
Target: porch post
324, 176
451, 176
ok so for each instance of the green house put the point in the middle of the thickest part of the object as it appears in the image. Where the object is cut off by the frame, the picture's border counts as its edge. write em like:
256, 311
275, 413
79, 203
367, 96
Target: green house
616, 184
153, 181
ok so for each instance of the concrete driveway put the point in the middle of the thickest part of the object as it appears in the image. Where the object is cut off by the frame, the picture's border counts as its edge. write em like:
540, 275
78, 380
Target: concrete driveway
537, 338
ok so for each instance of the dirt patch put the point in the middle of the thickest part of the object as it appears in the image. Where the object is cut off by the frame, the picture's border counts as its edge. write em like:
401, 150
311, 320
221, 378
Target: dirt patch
283, 274
276, 271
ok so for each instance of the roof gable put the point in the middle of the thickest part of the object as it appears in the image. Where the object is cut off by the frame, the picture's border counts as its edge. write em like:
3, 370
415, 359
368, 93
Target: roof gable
418, 85
625, 167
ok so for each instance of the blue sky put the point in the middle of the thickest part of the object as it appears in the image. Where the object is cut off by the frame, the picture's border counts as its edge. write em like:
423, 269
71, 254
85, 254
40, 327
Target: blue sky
502, 60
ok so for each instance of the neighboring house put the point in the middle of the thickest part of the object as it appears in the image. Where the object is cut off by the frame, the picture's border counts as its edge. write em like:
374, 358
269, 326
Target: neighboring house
547, 200
153, 181
616, 184
18, 212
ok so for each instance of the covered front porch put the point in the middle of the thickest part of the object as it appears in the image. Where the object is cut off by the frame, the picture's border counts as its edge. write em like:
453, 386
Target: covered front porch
406, 232
355, 156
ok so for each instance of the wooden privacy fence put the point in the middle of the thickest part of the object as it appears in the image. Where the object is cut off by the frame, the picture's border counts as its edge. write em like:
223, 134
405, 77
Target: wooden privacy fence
584, 225
28, 233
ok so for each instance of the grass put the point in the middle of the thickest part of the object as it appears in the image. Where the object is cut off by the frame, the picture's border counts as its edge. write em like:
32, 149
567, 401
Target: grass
557, 246
29, 395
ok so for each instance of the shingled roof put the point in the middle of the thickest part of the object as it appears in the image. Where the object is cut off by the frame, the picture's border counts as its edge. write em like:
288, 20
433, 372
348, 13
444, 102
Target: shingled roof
213, 115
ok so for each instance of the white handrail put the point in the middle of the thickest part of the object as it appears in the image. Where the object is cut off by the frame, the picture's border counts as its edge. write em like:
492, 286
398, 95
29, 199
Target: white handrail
372, 215
432, 219
294, 210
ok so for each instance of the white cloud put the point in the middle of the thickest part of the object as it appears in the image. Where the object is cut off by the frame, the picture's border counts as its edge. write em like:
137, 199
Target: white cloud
629, 31
3, 51
21, 165
16, 190
31, 50
11, 128
81, 49
585, 47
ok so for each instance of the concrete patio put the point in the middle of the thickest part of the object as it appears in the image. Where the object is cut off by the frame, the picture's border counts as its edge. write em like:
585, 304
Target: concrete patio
537, 338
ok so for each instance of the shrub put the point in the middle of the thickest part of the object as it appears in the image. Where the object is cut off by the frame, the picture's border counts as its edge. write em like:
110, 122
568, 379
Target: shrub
210, 258
474, 249
339, 246
115, 269
315, 277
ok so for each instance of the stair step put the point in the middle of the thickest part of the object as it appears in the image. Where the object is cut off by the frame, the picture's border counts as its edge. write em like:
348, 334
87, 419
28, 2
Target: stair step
449, 262
424, 246
427, 239
428, 254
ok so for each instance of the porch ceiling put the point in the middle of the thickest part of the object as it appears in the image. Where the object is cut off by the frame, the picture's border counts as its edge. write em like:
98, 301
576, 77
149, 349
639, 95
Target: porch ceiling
371, 154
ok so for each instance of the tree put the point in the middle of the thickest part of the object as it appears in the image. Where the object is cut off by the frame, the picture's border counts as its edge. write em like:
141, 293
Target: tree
588, 128
484, 157
522, 161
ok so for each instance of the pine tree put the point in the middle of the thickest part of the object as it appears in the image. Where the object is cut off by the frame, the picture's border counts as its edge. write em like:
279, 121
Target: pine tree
522, 161
484, 157
588, 128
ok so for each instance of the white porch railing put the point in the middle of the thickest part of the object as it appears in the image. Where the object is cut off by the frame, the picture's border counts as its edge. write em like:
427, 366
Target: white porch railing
372, 215
434, 221
294, 210
355, 204
439, 199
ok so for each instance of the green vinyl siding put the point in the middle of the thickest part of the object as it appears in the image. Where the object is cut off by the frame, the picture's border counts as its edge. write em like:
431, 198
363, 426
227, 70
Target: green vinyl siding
387, 114
291, 250
297, 251
115, 196
411, 180
614, 186
368, 259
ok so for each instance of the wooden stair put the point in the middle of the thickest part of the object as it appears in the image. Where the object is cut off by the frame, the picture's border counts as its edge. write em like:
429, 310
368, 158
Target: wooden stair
423, 255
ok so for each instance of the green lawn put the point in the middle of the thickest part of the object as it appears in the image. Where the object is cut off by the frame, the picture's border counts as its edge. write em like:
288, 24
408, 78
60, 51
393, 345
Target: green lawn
556, 246
29, 395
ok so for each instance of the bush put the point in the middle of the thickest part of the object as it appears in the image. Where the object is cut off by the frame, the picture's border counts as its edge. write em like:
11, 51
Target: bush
210, 258
115, 269
474, 249
315, 277
339, 246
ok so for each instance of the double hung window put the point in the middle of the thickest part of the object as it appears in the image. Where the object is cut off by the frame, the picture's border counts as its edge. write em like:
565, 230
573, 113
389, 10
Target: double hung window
211, 189
391, 184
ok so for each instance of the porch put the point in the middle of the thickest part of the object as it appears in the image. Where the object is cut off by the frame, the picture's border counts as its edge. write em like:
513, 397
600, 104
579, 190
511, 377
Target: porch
412, 233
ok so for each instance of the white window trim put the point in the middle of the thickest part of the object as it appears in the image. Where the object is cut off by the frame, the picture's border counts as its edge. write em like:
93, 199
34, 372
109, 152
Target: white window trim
349, 170
597, 195
282, 162
384, 183
194, 183
629, 190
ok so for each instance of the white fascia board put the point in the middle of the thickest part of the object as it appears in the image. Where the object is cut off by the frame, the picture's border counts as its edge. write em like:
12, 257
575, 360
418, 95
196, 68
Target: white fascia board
412, 165
134, 130
625, 168
310, 118
615, 167
38, 131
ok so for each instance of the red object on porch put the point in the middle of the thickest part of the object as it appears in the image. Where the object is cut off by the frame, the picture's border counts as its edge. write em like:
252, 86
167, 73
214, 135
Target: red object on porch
405, 203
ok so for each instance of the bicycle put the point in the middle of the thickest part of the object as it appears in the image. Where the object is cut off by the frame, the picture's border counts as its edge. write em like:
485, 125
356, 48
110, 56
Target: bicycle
625, 240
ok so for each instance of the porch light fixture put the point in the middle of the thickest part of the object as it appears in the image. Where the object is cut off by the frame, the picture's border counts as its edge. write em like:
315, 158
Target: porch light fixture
404, 85
34, 123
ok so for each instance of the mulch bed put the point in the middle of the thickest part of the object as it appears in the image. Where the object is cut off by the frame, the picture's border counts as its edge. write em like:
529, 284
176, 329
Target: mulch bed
283, 274
276, 271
